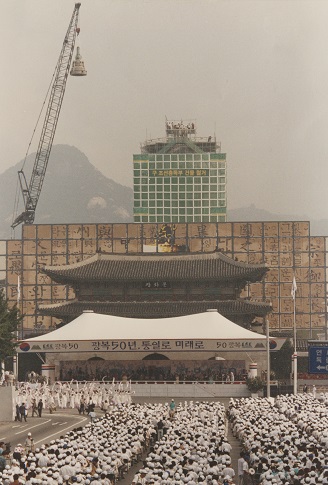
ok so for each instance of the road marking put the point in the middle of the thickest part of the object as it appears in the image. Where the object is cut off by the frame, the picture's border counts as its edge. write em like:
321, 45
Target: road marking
57, 414
3, 438
54, 434
54, 424
20, 426
35, 426
61, 424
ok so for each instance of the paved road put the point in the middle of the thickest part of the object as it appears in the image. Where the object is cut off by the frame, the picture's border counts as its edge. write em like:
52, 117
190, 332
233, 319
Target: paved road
45, 429
52, 426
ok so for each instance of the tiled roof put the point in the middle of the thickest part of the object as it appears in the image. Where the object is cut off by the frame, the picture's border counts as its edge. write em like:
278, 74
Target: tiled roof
227, 308
283, 333
173, 267
302, 345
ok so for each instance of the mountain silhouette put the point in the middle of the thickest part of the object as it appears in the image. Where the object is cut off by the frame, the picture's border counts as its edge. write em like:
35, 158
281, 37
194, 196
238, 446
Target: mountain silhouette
74, 191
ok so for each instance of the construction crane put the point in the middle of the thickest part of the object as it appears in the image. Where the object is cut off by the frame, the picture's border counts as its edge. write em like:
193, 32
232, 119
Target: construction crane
31, 192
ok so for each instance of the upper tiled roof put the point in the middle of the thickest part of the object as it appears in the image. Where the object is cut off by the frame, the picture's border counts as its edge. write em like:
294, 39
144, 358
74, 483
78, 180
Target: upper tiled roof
227, 308
173, 267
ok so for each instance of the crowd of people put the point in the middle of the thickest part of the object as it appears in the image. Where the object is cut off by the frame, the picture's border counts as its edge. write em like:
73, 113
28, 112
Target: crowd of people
33, 398
191, 448
95, 453
285, 442
151, 371
7, 378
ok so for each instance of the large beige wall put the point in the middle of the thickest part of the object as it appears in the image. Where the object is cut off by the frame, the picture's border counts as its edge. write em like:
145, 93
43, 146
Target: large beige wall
284, 246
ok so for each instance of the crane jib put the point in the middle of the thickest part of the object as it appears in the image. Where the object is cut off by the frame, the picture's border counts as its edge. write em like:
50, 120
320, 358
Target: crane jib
31, 192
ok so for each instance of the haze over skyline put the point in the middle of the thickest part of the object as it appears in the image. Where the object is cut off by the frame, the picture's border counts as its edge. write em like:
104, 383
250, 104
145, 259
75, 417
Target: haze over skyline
255, 73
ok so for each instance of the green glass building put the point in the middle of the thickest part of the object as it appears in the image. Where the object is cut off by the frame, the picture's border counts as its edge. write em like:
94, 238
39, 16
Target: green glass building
180, 178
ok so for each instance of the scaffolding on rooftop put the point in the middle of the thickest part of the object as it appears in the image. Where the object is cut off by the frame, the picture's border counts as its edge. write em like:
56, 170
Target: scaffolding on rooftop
181, 137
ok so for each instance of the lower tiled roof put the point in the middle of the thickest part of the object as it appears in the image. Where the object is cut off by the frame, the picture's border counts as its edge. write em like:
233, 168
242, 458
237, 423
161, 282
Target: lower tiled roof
156, 309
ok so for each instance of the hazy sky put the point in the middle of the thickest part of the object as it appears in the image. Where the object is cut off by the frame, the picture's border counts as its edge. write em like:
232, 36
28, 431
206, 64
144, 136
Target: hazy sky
253, 72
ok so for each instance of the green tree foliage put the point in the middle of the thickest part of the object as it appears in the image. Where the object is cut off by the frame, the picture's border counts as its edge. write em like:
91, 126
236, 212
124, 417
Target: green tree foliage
255, 384
9, 321
281, 361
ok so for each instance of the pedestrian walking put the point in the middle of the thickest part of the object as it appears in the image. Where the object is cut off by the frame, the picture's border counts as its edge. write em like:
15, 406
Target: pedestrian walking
29, 443
172, 408
105, 406
160, 429
82, 407
93, 416
40, 407
242, 467
2, 461
34, 408
18, 416
22, 412
228, 471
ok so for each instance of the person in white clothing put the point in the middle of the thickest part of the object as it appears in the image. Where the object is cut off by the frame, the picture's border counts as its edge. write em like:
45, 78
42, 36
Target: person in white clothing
228, 470
242, 467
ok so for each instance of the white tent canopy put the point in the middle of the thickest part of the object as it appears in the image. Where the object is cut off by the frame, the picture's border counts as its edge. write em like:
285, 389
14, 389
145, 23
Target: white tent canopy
205, 325
97, 332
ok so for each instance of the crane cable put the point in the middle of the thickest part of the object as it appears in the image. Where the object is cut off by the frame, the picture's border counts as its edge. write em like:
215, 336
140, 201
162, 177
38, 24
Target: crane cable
18, 191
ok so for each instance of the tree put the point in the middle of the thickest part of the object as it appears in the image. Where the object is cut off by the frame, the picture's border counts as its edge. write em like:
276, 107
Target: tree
255, 384
9, 321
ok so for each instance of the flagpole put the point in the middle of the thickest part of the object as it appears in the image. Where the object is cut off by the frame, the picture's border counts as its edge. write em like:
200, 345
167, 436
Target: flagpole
268, 357
294, 289
295, 353
15, 358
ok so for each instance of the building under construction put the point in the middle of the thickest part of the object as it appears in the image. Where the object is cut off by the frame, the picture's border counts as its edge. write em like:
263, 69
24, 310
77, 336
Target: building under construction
180, 178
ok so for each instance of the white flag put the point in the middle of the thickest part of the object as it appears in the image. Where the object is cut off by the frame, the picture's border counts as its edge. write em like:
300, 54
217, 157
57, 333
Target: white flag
18, 290
294, 288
